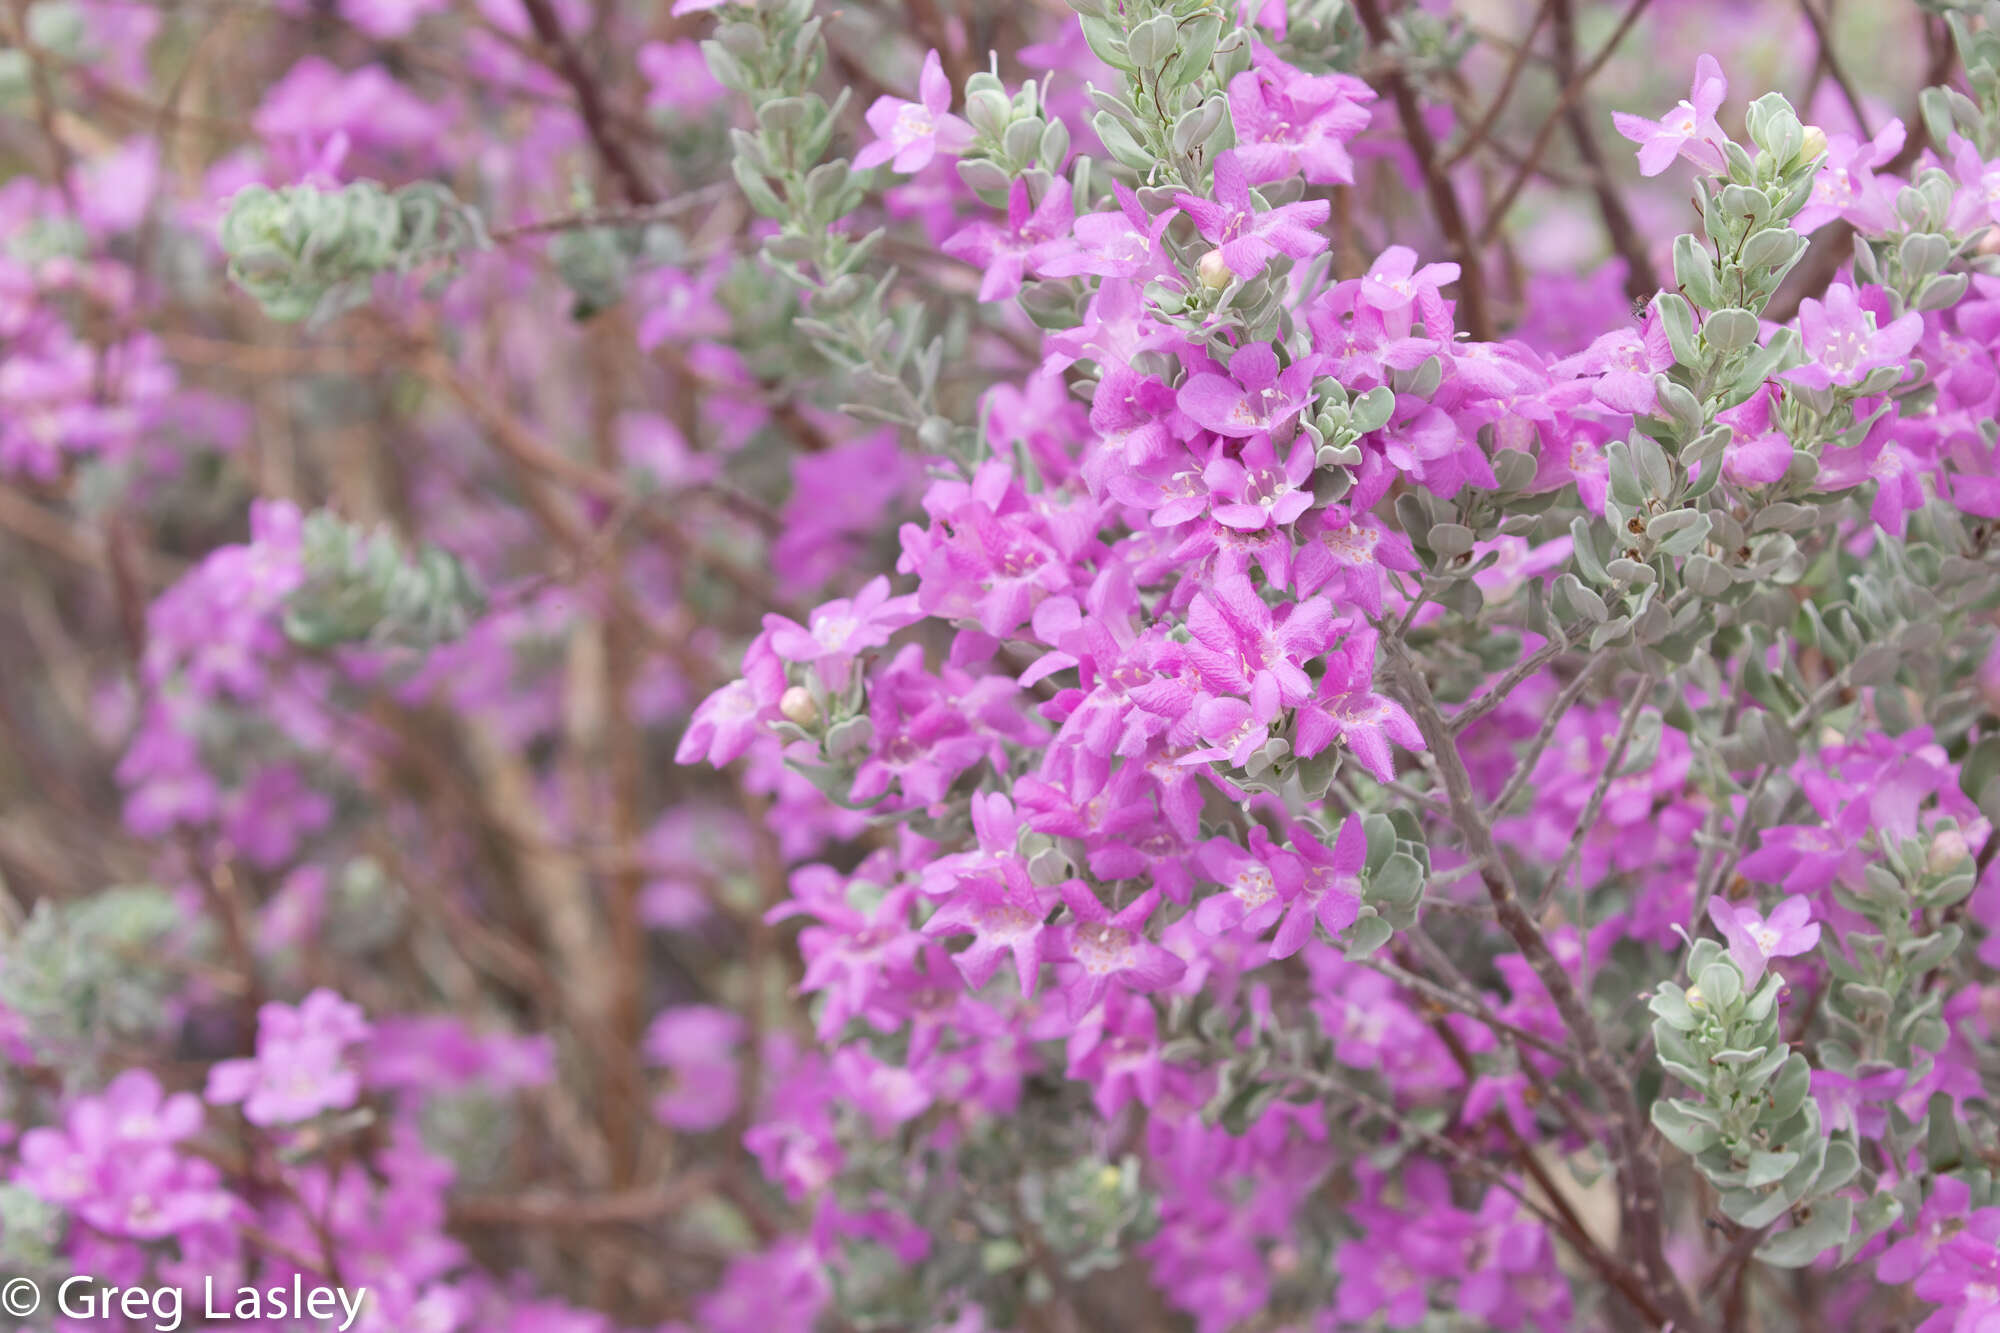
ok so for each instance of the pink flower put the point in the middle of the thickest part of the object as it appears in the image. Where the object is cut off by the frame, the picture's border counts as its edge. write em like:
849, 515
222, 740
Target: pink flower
1241, 647
843, 629
1247, 238
697, 1045
1103, 948
910, 134
1843, 344
1624, 363
1329, 893
1256, 883
1347, 709
1254, 397
1757, 453
1258, 490
1755, 940
301, 1068
1846, 188
1688, 131
1120, 244
1003, 251
727, 721
1003, 912
1288, 122
677, 76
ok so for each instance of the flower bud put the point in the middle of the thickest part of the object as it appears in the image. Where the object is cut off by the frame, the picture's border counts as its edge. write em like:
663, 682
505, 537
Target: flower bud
990, 111
797, 705
1214, 270
1989, 242
1948, 849
1814, 147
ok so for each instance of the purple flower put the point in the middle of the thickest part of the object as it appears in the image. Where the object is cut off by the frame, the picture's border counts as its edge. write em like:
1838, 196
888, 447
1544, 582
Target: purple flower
677, 76
727, 721
1352, 550
1964, 1278
910, 134
1253, 398
1234, 730
301, 1067
114, 1164
1256, 883
1102, 948
1842, 342
697, 1044
1347, 709
842, 629
1003, 913
1689, 130
1003, 251
1943, 1215
1805, 858
1247, 238
1846, 188
1403, 294
1116, 1049
1114, 244
1240, 646
1755, 940
850, 951
1257, 490
1329, 894
1624, 363
1757, 453
1288, 122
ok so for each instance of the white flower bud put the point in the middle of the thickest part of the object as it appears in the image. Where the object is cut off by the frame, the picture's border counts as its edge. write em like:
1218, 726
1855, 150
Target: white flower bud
1948, 849
797, 705
1215, 271
1814, 147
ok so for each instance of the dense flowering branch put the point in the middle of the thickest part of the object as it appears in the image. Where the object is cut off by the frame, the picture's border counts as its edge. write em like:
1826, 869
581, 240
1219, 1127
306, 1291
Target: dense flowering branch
1115, 668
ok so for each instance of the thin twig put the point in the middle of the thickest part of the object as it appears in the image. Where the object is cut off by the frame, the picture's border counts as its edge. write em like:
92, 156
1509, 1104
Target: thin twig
590, 102
1587, 819
1524, 768
1515, 64
635, 216
1829, 60
1496, 215
1437, 183
1638, 1174
1497, 693
1641, 281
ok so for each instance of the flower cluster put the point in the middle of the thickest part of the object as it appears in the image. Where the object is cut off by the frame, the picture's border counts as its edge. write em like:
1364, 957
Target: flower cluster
734, 667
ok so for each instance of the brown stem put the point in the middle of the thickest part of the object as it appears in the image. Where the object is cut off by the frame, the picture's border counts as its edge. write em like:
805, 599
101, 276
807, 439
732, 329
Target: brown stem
563, 1210
1641, 281
1444, 199
1515, 64
590, 103
1830, 61
1619, 1276
1497, 215
638, 215
1638, 1174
